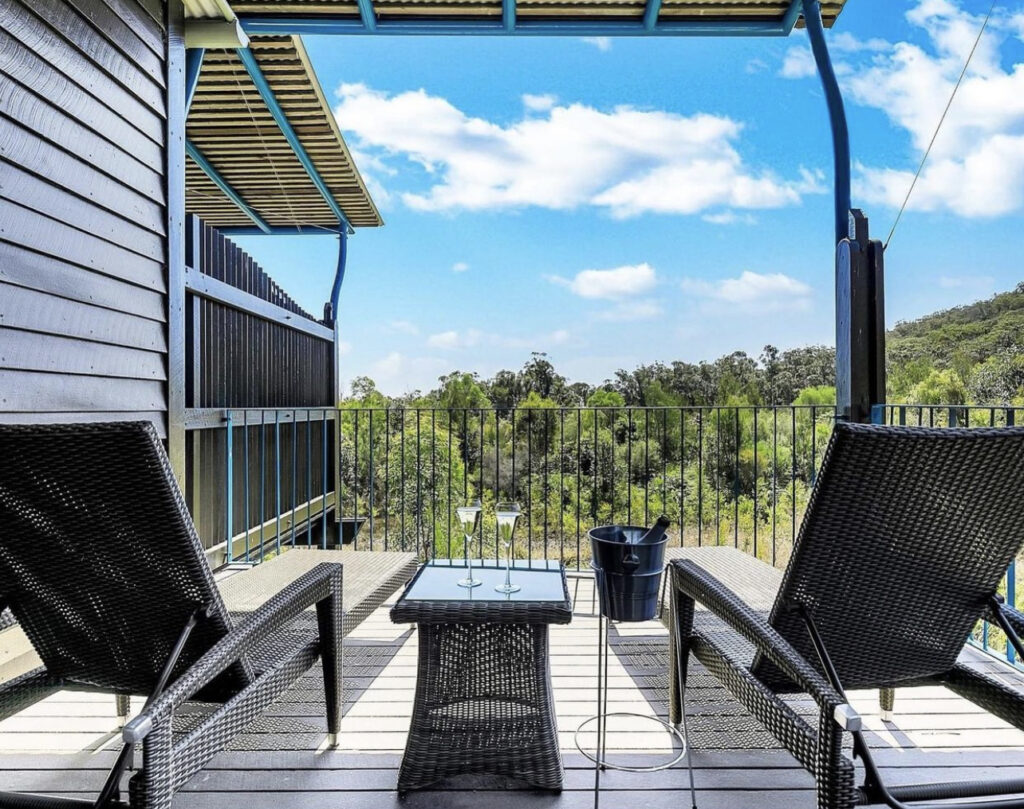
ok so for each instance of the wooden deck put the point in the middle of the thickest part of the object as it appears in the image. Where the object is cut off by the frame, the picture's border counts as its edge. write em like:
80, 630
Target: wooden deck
64, 744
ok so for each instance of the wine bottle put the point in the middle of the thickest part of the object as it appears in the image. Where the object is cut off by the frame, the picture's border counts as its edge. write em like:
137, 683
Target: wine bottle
656, 531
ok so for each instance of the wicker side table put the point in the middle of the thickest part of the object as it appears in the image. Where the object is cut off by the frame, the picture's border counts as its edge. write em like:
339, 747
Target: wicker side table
483, 699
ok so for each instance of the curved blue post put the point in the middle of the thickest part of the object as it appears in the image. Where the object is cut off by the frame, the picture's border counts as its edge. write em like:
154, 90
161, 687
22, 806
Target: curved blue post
339, 273
836, 114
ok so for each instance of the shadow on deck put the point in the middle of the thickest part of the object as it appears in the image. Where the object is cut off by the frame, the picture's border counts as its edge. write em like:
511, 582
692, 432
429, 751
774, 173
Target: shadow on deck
63, 745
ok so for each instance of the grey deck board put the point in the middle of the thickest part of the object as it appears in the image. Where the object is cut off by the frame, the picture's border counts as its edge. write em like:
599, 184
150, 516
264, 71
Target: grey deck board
63, 745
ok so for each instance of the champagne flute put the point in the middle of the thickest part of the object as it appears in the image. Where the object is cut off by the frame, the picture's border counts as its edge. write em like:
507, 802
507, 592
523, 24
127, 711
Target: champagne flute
469, 516
507, 514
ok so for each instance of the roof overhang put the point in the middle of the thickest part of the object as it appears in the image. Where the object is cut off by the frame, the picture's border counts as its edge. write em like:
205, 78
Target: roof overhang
529, 17
269, 156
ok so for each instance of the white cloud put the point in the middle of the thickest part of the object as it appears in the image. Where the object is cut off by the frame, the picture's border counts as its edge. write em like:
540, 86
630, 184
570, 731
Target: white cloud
798, 63
751, 290
620, 282
344, 347
976, 167
756, 66
404, 327
390, 366
539, 103
979, 284
729, 218
460, 266
601, 43
626, 311
453, 339
624, 160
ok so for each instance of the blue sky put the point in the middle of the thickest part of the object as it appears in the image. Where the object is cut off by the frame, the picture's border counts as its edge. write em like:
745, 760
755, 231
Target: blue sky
617, 202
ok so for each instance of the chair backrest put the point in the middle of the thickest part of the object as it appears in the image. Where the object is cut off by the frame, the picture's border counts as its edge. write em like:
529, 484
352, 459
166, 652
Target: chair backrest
99, 560
907, 535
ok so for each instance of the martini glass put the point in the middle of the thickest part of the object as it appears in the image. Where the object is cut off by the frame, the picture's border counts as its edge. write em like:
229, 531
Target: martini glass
507, 514
469, 516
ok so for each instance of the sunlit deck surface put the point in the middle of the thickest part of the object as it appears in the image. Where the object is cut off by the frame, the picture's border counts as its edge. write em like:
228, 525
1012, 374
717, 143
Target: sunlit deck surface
64, 744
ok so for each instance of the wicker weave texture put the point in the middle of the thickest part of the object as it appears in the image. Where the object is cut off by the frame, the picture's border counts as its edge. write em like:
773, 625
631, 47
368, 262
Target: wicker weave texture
483, 700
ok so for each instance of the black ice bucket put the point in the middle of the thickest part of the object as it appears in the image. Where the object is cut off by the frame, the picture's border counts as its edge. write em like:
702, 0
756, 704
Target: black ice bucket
628, 573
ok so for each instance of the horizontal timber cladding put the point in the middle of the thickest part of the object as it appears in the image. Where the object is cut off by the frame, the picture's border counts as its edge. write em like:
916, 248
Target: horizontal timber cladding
246, 353
83, 211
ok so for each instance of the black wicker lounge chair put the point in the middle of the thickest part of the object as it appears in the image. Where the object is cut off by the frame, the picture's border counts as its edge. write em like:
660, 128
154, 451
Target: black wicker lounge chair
101, 566
906, 538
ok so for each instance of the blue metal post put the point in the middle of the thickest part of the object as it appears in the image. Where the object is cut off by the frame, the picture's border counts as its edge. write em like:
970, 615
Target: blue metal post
229, 484
193, 66
651, 11
836, 114
281, 119
200, 159
339, 273
878, 414
277, 479
508, 15
367, 15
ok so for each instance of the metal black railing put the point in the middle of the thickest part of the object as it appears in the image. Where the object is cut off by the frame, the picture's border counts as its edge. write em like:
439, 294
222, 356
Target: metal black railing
988, 637
737, 475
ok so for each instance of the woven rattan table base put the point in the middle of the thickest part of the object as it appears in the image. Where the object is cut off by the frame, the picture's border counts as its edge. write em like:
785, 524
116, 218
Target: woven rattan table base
483, 705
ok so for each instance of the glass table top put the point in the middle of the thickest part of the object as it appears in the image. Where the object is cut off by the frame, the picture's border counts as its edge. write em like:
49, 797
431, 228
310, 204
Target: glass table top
539, 580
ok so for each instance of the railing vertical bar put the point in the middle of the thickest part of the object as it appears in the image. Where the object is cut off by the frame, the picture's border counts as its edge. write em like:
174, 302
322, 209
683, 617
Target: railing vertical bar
647, 466
718, 476
448, 486
277, 480
515, 478
294, 503
338, 495
433, 481
309, 478
387, 477
814, 444
323, 472
736, 484
579, 482
229, 487
465, 455
480, 487
497, 482
613, 415
1011, 600
700, 478
593, 490
245, 461
757, 511
664, 461
682, 477
546, 489
529, 485
775, 482
629, 466
402, 411
419, 489
792, 504
371, 493
561, 486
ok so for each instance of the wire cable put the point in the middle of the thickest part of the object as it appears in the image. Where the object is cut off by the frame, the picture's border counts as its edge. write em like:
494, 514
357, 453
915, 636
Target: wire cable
942, 120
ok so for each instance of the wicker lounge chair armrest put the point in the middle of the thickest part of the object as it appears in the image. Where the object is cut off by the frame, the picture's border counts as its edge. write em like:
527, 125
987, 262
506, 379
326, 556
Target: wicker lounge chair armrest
319, 584
694, 582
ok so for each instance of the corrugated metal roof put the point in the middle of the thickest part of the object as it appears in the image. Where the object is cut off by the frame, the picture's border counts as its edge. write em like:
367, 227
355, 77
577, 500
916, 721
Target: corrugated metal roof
761, 11
208, 9
231, 125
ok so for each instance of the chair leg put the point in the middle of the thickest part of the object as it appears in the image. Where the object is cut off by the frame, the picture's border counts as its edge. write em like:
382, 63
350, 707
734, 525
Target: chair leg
329, 621
886, 701
123, 706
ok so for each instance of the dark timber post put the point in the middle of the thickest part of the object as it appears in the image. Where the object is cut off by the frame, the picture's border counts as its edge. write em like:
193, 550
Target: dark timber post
860, 289
860, 322
175, 187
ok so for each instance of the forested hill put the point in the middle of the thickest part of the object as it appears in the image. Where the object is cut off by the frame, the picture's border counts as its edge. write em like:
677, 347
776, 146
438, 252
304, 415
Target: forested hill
972, 354
969, 353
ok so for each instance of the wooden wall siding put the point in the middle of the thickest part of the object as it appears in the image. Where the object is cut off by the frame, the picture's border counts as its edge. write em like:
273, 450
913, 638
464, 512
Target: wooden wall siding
248, 361
83, 234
